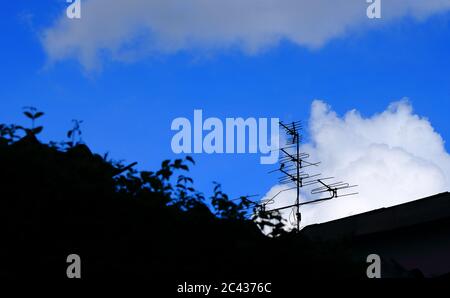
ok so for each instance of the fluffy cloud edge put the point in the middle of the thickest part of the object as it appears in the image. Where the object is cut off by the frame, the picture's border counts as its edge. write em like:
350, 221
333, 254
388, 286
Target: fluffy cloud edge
394, 157
134, 29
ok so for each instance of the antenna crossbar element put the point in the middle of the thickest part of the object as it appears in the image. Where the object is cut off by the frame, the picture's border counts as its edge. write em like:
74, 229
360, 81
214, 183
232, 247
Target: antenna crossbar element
332, 188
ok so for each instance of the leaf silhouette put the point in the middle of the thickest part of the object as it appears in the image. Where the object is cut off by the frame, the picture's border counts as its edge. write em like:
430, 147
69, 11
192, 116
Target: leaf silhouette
189, 158
37, 130
28, 114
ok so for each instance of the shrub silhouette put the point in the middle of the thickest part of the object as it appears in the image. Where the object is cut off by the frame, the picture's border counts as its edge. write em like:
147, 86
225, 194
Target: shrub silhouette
59, 199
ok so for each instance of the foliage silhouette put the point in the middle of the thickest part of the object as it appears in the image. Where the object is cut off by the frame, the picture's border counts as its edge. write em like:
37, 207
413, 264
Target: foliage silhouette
74, 134
60, 200
32, 113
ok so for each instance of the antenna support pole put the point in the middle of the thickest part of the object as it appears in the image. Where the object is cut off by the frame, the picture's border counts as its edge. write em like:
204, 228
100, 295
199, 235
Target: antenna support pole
298, 164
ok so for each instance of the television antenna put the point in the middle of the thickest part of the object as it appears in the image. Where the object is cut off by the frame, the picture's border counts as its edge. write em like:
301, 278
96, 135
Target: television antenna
292, 165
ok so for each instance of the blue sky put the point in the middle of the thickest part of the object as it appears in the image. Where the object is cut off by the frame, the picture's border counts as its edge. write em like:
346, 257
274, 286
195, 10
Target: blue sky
127, 108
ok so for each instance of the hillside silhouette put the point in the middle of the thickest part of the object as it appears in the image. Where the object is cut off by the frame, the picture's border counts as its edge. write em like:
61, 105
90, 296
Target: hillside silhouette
58, 199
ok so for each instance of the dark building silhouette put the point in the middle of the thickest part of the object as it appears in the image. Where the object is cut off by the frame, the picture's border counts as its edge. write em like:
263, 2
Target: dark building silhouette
408, 237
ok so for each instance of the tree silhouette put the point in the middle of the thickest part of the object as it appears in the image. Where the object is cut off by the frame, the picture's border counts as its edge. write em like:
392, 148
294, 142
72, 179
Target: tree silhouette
57, 200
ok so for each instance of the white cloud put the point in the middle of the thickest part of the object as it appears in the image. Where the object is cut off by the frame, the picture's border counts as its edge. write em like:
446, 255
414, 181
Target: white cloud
394, 157
131, 29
